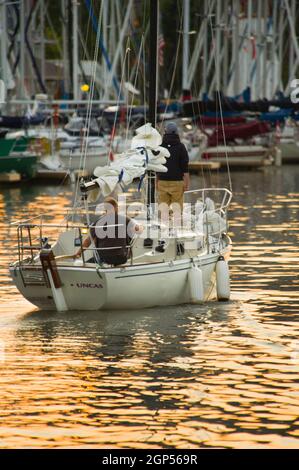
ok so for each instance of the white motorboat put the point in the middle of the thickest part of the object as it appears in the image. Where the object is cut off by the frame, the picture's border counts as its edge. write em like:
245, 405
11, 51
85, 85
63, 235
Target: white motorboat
98, 152
289, 142
238, 155
71, 159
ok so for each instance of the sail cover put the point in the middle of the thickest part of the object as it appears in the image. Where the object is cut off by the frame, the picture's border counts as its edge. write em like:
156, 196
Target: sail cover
146, 154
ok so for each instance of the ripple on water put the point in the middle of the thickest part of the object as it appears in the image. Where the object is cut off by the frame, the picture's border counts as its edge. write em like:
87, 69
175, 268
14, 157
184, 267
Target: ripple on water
218, 375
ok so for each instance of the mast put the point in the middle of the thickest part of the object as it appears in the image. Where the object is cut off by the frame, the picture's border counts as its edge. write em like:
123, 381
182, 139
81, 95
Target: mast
65, 48
226, 21
265, 49
185, 84
204, 85
152, 112
22, 9
3, 41
75, 49
249, 36
237, 48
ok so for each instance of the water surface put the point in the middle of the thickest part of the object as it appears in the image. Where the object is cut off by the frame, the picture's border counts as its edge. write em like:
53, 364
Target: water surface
220, 374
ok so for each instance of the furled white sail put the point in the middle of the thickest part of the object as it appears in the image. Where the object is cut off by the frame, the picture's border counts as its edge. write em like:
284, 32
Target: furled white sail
145, 154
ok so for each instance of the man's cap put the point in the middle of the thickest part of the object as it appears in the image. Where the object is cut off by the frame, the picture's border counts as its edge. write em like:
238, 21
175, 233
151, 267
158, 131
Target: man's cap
171, 128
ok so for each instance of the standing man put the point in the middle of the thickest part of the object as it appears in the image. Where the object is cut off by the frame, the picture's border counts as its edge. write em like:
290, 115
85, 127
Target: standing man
173, 183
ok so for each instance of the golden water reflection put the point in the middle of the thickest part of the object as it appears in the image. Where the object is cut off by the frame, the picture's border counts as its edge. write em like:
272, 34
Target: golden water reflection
218, 375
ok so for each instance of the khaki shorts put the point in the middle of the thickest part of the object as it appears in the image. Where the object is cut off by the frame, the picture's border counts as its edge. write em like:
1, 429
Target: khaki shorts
171, 192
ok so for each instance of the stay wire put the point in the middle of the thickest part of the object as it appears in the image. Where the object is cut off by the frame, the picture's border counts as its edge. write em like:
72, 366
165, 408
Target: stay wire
214, 52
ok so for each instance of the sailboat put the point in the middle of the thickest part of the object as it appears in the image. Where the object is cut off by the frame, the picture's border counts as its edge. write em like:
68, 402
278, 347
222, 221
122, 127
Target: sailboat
176, 265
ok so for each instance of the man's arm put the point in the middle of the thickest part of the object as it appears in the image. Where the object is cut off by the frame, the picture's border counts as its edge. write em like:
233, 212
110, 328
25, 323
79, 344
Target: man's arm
133, 227
85, 244
138, 228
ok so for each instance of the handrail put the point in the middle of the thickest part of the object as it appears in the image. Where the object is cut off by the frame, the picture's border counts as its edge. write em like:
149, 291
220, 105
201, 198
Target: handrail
83, 210
205, 190
208, 189
26, 220
27, 237
69, 226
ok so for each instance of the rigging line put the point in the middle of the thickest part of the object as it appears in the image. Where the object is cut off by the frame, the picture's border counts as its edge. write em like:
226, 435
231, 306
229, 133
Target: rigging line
89, 106
100, 116
84, 44
91, 93
31, 54
100, 41
85, 52
103, 110
15, 32
174, 70
127, 94
135, 84
145, 30
144, 81
144, 15
50, 23
198, 120
214, 52
123, 70
136, 44
196, 124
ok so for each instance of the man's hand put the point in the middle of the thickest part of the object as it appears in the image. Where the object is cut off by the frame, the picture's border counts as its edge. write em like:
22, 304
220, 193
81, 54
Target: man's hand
85, 244
138, 228
78, 254
186, 181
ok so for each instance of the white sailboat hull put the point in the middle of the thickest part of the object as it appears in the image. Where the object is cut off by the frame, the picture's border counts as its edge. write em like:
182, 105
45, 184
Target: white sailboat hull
239, 155
92, 288
74, 160
289, 150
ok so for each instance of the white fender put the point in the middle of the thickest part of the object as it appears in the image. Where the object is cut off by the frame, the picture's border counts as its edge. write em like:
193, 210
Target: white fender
222, 279
196, 284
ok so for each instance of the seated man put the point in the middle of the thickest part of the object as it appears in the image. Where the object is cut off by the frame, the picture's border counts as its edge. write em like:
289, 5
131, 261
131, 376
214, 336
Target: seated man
111, 235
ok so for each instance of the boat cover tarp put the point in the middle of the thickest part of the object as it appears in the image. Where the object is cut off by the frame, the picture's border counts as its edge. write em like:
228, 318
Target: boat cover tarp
241, 131
18, 122
213, 121
196, 108
146, 154
276, 116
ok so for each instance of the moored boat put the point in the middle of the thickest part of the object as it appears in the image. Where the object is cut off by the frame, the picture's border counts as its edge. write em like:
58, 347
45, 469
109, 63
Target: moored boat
15, 156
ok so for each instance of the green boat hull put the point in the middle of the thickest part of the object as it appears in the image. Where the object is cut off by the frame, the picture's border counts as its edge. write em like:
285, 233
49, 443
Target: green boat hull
25, 164
21, 144
6, 146
15, 157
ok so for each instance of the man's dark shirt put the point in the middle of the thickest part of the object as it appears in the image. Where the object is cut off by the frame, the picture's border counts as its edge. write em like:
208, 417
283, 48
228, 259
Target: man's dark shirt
177, 163
110, 232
